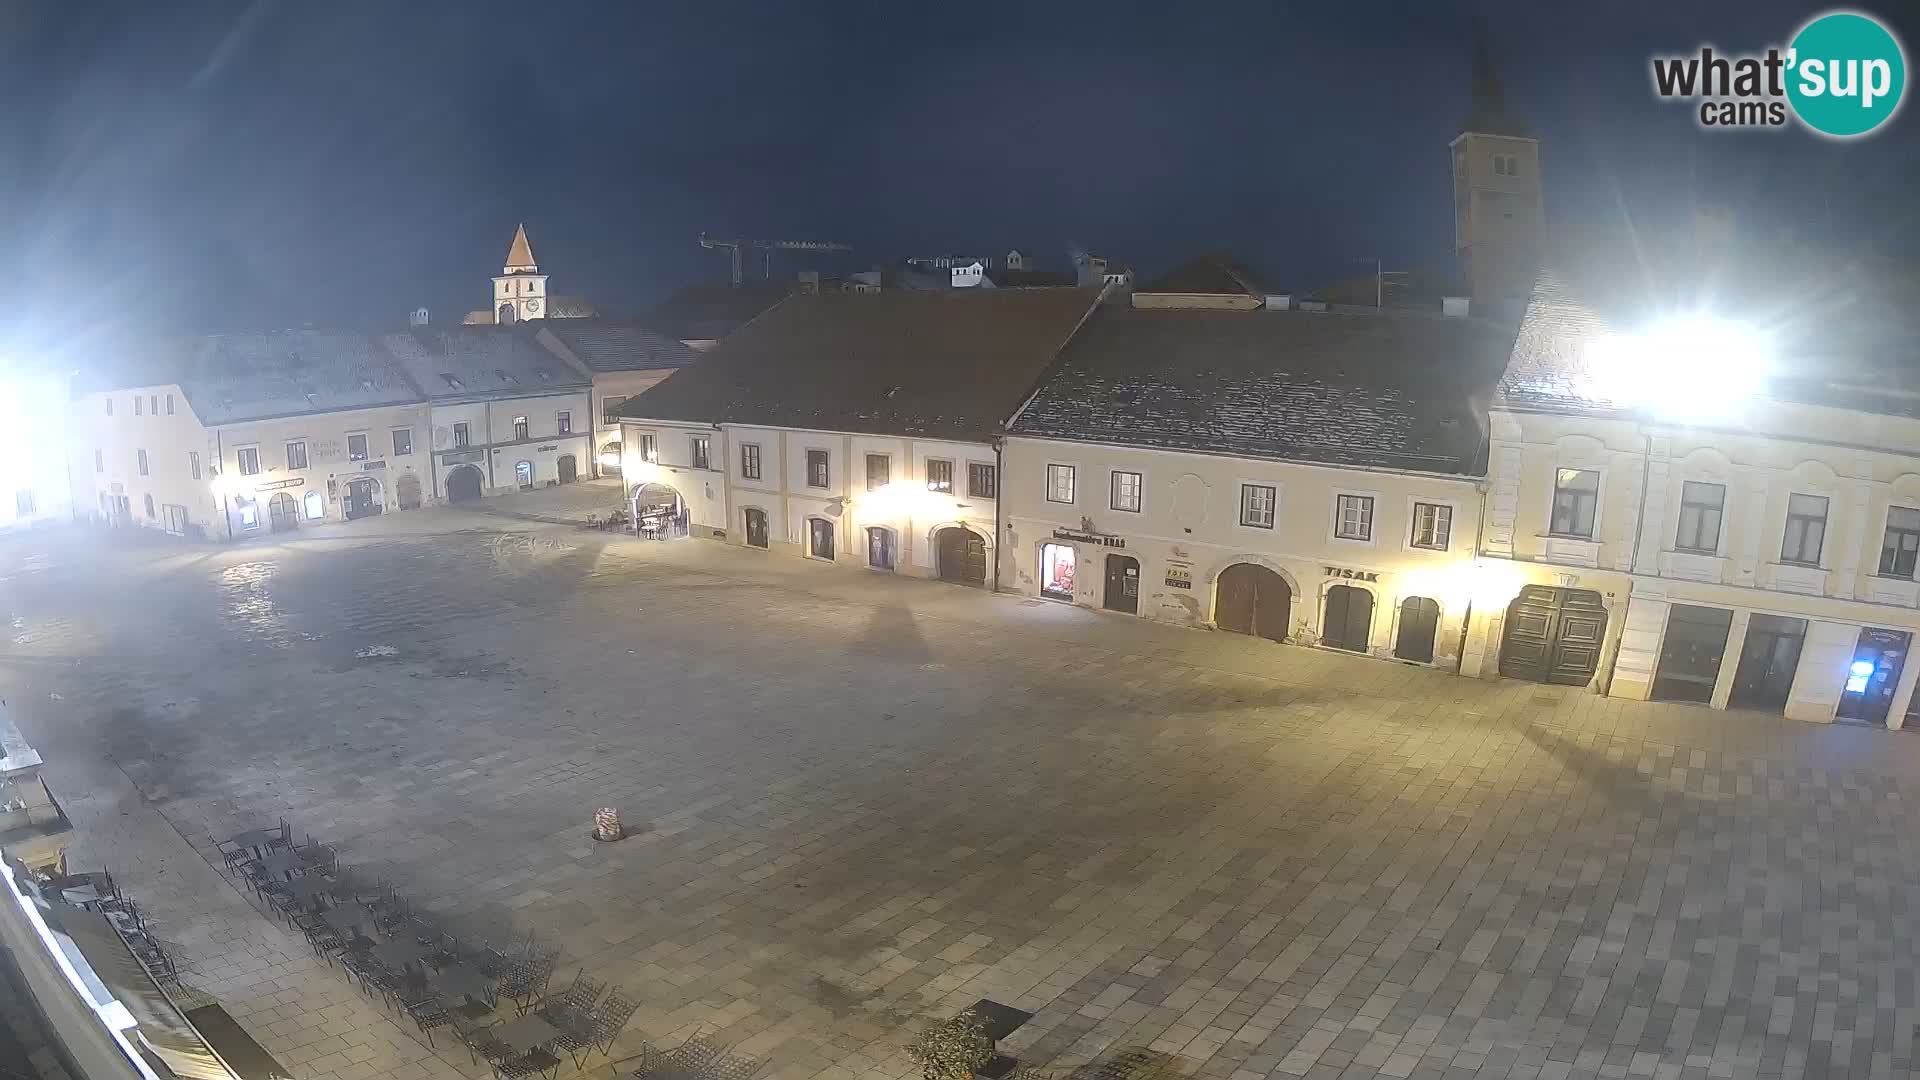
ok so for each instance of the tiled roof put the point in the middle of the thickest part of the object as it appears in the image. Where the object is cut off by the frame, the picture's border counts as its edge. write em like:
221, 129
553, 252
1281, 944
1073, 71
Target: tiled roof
1397, 391
952, 364
253, 376
695, 312
1843, 334
461, 362
604, 346
1210, 275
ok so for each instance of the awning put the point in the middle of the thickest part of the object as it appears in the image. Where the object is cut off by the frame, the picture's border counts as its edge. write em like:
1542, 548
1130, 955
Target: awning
164, 1036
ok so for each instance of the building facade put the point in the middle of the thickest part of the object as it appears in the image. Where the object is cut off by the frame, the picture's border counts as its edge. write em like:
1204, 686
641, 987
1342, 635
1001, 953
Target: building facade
139, 456
622, 360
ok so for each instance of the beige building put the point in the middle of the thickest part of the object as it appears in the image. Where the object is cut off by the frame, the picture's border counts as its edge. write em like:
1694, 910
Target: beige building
857, 428
1304, 476
621, 360
139, 456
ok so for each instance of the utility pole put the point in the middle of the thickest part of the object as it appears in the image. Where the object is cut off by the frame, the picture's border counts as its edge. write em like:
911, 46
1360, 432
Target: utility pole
1382, 279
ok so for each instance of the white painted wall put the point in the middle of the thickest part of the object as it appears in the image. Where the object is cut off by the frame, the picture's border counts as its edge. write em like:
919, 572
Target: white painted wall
329, 467
491, 435
104, 454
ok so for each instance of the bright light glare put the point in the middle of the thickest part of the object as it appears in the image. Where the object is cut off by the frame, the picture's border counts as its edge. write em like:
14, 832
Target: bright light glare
905, 499
609, 459
1696, 367
31, 439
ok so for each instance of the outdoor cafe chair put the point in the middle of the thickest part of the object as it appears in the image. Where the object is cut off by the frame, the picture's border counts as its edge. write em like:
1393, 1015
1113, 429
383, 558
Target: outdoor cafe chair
573, 1006
593, 1030
539, 1061
231, 853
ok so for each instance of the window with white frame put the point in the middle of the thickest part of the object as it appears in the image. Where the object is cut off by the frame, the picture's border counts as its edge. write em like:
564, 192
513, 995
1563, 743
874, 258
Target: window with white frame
750, 461
357, 447
1126, 492
1257, 502
563, 422
983, 480
1432, 526
1806, 529
248, 458
879, 471
296, 455
819, 469
1353, 517
650, 448
1901, 544
702, 451
1702, 505
462, 435
939, 474
1060, 483
520, 428
1576, 495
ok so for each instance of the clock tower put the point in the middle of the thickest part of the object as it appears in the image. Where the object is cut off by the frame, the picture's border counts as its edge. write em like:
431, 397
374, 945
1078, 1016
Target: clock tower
520, 292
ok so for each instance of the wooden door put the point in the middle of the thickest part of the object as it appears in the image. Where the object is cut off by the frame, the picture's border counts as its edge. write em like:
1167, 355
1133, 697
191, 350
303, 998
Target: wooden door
569, 468
820, 532
962, 556
1553, 636
1419, 623
1123, 584
1253, 600
756, 527
282, 514
1349, 618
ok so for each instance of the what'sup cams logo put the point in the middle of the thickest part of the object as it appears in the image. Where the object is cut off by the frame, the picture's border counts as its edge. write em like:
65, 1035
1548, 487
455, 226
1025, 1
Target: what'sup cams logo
1843, 75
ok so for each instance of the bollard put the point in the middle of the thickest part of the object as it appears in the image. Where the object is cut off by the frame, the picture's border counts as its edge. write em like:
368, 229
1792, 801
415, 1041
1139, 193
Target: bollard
606, 824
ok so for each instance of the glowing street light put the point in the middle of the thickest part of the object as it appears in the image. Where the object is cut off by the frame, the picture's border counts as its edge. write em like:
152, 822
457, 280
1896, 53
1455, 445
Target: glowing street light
1694, 367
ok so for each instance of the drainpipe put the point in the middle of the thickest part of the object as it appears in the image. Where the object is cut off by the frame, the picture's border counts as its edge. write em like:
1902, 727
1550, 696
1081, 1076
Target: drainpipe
489, 408
999, 530
220, 462
1640, 520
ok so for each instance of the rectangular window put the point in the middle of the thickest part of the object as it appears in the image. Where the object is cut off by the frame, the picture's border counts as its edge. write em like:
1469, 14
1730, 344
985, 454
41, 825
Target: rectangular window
357, 447
879, 471
1701, 508
296, 455
1902, 542
1506, 165
1806, 529
193, 463
520, 428
1060, 483
1126, 492
99, 461
462, 436
138, 404
169, 404
818, 474
1432, 526
1256, 505
23, 502
702, 452
1353, 517
750, 461
650, 448
610, 410
402, 442
1576, 492
153, 403
563, 422
249, 459
939, 475
983, 482
109, 406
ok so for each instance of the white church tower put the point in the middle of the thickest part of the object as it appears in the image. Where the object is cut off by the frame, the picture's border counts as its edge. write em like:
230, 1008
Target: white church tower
520, 292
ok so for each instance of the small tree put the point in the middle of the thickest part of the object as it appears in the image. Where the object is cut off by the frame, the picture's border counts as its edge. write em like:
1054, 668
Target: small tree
953, 1050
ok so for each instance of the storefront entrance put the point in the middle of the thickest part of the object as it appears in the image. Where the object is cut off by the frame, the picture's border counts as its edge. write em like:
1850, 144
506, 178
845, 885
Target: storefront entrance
569, 468
1056, 571
1553, 636
756, 527
1253, 600
363, 498
464, 483
1768, 658
1873, 675
962, 555
1690, 653
880, 548
1123, 584
658, 512
282, 513
1419, 624
820, 538
1349, 618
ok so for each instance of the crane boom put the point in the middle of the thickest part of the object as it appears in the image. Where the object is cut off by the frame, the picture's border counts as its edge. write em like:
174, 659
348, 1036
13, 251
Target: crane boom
738, 247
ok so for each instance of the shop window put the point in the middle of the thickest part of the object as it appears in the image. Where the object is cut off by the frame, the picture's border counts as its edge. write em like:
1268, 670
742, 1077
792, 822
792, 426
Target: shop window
1576, 494
316, 505
880, 548
820, 538
1701, 507
1056, 571
249, 513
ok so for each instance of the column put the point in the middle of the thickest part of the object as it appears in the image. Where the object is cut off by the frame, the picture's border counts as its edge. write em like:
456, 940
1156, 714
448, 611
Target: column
1730, 660
1903, 692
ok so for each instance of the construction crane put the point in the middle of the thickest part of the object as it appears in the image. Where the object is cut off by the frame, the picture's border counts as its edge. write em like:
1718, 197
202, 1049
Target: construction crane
740, 251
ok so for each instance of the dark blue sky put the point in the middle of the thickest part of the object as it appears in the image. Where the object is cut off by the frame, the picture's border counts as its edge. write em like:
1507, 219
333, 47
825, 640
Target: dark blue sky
197, 166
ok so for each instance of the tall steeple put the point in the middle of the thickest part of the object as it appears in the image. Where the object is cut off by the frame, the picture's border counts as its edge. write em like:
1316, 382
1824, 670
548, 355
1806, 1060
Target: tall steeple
1489, 115
520, 292
1499, 222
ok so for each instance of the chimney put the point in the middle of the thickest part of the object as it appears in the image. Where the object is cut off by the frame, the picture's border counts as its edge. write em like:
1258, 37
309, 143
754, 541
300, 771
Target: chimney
1454, 307
1279, 301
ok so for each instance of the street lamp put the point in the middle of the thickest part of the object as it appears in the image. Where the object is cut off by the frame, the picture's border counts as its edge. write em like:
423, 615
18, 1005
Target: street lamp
1693, 367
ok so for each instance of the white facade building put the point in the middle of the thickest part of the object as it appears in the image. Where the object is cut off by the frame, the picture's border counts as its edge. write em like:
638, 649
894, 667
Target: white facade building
622, 360
139, 456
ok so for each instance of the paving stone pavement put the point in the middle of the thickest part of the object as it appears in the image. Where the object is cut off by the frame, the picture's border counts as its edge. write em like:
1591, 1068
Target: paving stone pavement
860, 803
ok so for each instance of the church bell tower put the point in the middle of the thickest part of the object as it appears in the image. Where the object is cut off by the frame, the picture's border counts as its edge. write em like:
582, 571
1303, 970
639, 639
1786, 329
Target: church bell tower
1499, 220
520, 292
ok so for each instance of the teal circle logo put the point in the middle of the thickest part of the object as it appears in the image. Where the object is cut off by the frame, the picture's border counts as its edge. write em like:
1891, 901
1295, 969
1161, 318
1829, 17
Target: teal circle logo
1846, 74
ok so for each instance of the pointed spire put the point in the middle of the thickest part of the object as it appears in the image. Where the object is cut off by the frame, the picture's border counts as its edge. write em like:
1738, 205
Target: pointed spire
520, 255
1489, 115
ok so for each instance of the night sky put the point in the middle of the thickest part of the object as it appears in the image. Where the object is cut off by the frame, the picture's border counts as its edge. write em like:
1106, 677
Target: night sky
173, 166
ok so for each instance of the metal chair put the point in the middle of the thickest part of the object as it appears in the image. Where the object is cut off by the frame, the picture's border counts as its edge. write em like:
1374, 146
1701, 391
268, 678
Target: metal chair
319, 857
480, 1043
526, 980
285, 839
231, 853
428, 1014
585, 1030
533, 1061
573, 1006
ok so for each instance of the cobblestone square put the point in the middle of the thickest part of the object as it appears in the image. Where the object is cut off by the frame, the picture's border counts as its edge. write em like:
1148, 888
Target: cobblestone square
860, 803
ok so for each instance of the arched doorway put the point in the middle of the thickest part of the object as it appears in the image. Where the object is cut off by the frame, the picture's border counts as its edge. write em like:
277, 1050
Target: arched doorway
407, 490
880, 548
363, 498
464, 483
659, 513
1349, 618
569, 469
1123, 584
1253, 600
523, 475
505, 314
316, 506
281, 513
756, 527
962, 556
1419, 623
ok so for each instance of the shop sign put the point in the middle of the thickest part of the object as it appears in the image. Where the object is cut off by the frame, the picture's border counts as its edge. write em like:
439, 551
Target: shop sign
464, 457
1179, 577
1352, 575
278, 484
369, 466
1080, 537
549, 448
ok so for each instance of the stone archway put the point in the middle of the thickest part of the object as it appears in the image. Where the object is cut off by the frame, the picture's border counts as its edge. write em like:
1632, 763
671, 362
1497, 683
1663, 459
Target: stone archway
464, 482
1254, 600
961, 555
407, 490
659, 513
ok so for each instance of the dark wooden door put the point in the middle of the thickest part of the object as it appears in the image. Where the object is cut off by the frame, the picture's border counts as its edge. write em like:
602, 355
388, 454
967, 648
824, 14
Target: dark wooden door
362, 499
756, 527
569, 469
463, 483
820, 532
1419, 623
963, 556
1553, 636
1768, 659
1123, 584
880, 548
1253, 600
282, 514
1349, 620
